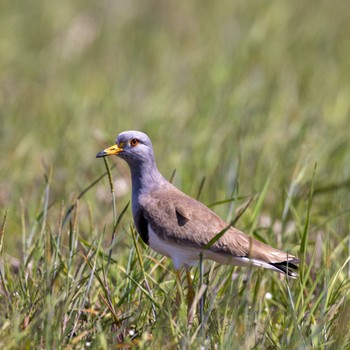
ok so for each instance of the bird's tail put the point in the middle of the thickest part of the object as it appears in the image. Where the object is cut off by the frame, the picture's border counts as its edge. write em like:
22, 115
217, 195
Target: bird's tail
288, 267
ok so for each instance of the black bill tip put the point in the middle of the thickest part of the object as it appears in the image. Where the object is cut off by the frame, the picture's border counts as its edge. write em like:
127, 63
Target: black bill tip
101, 154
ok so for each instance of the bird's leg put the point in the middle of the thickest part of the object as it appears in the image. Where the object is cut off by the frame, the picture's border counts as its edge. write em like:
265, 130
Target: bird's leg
190, 290
190, 293
178, 289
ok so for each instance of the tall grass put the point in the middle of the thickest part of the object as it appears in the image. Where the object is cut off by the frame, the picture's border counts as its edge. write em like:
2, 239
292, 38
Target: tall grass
69, 291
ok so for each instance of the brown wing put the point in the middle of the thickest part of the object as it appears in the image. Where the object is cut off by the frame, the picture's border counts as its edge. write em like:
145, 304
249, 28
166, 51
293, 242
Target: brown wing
178, 218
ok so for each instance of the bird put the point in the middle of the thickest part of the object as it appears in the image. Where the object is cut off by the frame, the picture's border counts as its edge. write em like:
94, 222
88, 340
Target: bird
180, 227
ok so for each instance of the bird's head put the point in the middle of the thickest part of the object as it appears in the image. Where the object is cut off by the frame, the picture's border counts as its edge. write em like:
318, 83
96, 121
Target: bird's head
135, 147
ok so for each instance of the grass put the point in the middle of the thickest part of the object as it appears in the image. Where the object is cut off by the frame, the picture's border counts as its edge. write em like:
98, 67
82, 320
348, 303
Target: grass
244, 99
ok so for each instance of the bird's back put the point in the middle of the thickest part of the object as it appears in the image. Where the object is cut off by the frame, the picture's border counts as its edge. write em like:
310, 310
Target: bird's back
180, 219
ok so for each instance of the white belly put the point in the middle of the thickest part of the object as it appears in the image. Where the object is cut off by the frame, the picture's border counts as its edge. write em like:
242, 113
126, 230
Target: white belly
179, 255
189, 256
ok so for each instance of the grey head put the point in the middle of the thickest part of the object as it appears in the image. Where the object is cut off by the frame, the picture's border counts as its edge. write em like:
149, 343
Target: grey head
136, 149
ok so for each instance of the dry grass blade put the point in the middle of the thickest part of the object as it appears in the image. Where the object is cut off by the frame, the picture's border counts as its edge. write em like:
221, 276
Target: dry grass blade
2, 232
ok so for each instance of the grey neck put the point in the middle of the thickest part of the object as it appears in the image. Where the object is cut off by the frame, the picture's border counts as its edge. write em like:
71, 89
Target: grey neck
145, 178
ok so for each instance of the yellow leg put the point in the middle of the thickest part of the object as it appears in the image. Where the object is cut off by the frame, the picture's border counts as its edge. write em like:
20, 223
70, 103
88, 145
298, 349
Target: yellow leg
178, 289
190, 291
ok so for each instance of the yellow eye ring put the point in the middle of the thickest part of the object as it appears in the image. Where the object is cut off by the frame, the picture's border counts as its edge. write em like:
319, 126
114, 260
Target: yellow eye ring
134, 142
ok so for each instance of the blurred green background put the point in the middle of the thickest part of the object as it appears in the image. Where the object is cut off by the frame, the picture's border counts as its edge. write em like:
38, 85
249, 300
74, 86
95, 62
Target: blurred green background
258, 87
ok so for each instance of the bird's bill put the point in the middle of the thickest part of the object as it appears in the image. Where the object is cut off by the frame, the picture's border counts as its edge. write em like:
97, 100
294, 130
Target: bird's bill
110, 151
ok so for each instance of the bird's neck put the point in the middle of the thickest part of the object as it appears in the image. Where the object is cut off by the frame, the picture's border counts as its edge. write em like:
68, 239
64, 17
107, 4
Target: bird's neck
145, 178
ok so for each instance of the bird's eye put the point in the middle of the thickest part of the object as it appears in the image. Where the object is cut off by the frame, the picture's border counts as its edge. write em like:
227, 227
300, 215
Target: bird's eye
134, 142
